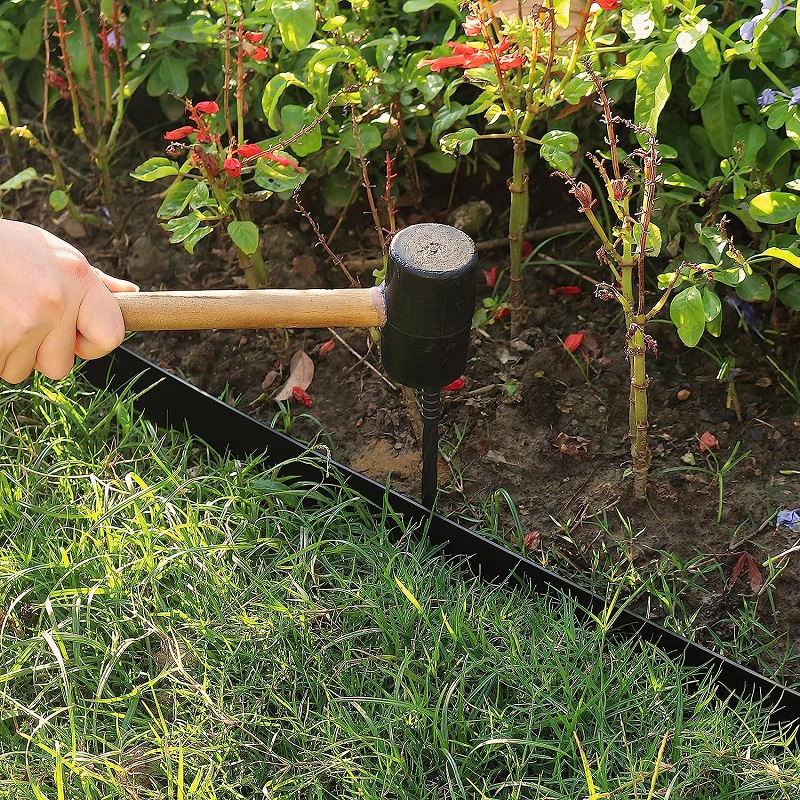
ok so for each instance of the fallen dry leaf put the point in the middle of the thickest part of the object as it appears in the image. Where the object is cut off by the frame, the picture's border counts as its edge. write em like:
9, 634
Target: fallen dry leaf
301, 373
269, 379
754, 577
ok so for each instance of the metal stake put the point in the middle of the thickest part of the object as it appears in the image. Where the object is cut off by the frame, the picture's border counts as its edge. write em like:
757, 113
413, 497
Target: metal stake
431, 413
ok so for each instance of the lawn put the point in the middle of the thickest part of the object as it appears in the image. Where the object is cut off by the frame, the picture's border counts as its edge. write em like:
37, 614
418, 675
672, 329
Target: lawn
176, 624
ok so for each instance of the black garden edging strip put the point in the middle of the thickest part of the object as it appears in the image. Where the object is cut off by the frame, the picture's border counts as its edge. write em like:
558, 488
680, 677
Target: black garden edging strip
174, 402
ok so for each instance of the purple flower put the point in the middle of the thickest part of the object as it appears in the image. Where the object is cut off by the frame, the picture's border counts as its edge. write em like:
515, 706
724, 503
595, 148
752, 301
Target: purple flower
747, 313
767, 97
794, 100
769, 10
789, 519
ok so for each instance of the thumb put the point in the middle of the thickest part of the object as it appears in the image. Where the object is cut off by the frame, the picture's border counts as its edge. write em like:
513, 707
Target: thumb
115, 284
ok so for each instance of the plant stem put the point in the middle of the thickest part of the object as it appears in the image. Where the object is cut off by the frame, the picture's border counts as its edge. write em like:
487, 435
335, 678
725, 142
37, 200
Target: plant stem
640, 445
517, 223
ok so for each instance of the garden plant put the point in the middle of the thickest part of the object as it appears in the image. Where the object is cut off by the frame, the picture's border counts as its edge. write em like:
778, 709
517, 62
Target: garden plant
179, 623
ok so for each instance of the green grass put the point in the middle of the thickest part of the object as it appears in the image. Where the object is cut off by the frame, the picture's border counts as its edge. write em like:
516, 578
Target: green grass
176, 624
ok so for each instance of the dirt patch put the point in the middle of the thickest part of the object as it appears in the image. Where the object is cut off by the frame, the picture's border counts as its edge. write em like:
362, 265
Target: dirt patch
549, 429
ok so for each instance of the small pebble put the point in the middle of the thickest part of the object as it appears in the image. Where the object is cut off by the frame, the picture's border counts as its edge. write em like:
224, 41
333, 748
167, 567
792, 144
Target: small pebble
683, 394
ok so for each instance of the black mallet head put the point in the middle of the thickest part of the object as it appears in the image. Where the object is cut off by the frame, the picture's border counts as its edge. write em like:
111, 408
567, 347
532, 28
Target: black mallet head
430, 300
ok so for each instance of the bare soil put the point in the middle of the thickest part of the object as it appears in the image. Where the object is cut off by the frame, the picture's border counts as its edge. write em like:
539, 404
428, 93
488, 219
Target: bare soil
529, 420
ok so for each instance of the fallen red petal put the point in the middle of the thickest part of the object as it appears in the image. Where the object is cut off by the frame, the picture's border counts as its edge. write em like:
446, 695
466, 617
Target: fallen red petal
573, 341
502, 313
708, 442
456, 386
567, 290
301, 396
490, 275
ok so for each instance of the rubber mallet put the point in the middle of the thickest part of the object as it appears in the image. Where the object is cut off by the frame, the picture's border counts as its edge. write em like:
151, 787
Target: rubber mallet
424, 308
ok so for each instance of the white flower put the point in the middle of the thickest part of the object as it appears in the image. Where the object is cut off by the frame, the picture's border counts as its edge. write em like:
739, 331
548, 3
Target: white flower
688, 39
642, 25
685, 41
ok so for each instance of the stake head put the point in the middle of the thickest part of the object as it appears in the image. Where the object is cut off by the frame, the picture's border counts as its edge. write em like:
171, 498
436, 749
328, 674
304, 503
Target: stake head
430, 299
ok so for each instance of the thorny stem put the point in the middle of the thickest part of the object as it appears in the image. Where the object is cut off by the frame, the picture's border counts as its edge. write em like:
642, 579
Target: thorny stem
226, 89
87, 43
240, 85
630, 261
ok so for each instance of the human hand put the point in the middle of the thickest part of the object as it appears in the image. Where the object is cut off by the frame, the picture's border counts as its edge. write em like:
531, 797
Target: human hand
53, 304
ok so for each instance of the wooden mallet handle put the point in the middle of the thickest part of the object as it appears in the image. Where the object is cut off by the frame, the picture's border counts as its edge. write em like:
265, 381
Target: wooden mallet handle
252, 308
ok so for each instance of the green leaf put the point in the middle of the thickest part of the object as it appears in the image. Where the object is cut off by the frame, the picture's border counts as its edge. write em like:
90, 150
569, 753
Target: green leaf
297, 20
176, 199
409, 596
272, 94
688, 314
653, 85
558, 148
244, 234
195, 236
706, 57
711, 304
720, 115
155, 168
674, 177
775, 207
31, 40
4, 122
369, 137
19, 180
458, 143
786, 255
652, 244
415, 6
277, 178
438, 162
58, 200
9, 38
181, 227
172, 76
754, 288
753, 137
294, 119
789, 290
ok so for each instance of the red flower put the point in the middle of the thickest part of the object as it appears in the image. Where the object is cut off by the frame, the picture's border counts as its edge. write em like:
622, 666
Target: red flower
468, 57
501, 313
233, 167
527, 248
207, 107
511, 61
472, 26
456, 386
567, 290
573, 341
57, 82
179, 133
609, 5
250, 150
491, 276
258, 53
254, 37
301, 396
